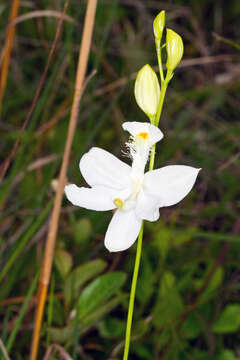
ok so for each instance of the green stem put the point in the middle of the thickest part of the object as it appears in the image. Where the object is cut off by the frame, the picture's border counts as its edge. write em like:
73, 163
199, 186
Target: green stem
152, 157
159, 57
140, 236
162, 96
135, 275
132, 294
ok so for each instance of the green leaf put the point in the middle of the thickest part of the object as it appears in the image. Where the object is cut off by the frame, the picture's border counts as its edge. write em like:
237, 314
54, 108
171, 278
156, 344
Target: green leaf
145, 286
99, 291
183, 238
229, 320
21, 314
61, 335
191, 328
57, 312
226, 355
112, 327
102, 311
167, 283
82, 230
201, 355
168, 309
216, 280
162, 241
66, 334
213, 284
169, 305
142, 352
63, 262
24, 240
79, 276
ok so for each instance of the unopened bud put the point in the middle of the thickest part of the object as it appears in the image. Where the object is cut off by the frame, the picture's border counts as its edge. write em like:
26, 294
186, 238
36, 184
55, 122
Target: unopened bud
158, 25
174, 49
147, 90
54, 184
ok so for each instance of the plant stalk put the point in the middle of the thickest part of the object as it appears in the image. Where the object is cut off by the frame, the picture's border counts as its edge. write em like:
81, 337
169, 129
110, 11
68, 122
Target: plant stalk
132, 294
7, 50
140, 236
53, 227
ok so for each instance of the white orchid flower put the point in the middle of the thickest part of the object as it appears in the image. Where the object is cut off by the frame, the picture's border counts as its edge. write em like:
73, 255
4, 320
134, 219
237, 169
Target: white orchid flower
143, 137
135, 195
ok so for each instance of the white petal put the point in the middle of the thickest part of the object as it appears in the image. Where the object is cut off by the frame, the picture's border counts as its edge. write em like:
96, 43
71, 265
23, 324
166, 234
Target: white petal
170, 184
99, 167
98, 198
135, 127
147, 207
122, 231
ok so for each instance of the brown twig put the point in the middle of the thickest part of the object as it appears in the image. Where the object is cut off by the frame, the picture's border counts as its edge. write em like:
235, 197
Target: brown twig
7, 162
21, 299
40, 13
53, 227
4, 351
200, 61
60, 349
8, 50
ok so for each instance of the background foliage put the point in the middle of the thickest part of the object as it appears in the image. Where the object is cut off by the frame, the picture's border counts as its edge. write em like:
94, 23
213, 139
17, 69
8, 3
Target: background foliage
188, 291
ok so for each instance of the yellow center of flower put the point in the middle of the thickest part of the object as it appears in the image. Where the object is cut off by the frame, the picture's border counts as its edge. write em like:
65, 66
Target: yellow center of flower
143, 135
118, 203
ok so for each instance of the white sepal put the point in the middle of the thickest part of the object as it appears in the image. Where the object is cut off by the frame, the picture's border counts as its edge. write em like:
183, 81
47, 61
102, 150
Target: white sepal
99, 167
98, 198
122, 231
170, 184
147, 207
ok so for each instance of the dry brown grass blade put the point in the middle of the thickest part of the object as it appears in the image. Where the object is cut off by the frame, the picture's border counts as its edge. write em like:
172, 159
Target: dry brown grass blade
7, 162
8, 50
4, 351
41, 13
56, 347
53, 227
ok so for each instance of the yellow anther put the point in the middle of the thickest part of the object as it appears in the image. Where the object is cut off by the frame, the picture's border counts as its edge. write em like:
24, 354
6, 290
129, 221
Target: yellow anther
143, 135
118, 203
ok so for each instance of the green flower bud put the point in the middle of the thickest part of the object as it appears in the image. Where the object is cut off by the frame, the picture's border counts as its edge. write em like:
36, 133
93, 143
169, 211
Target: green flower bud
147, 90
158, 25
174, 49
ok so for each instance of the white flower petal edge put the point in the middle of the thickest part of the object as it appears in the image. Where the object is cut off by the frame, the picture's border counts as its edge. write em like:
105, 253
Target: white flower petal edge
170, 184
135, 128
99, 167
98, 198
122, 231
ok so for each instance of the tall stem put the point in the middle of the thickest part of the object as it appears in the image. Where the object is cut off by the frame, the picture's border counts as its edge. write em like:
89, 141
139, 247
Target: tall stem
159, 57
164, 85
132, 294
140, 236
53, 226
152, 157
135, 276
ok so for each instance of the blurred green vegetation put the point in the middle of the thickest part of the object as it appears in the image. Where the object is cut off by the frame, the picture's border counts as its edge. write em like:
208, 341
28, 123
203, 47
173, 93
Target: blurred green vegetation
188, 295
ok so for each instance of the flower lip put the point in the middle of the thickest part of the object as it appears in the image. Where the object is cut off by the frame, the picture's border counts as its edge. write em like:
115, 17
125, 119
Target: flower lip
144, 131
143, 135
